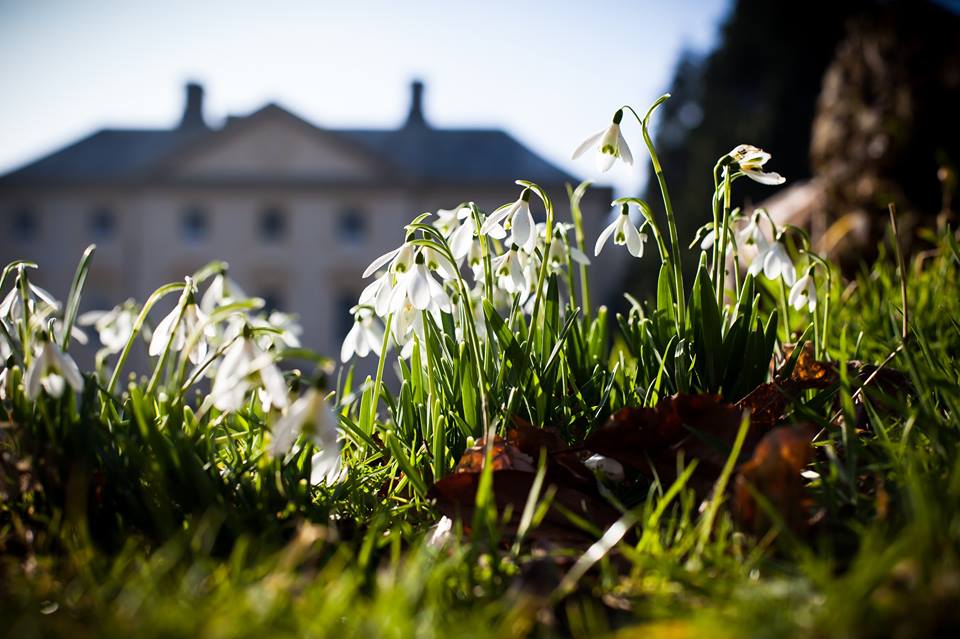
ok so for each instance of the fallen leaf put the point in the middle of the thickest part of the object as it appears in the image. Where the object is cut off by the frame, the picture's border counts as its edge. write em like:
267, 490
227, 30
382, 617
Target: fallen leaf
808, 371
774, 471
514, 472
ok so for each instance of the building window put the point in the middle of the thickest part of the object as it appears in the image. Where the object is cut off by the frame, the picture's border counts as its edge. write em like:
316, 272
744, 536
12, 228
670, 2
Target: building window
25, 225
103, 224
273, 224
351, 226
194, 224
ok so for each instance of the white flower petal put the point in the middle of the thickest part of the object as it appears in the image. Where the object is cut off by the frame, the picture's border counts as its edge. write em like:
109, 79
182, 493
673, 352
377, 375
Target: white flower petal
376, 264
605, 161
69, 369
634, 238
604, 236
418, 287
624, 149
161, 335
587, 144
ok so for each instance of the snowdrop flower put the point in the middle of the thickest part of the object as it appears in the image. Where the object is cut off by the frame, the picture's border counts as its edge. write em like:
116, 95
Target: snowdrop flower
624, 233
447, 220
606, 466
377, 294
313, 417
437, 263
287, 325
364, 337
519, 220
509, 270
408, 327
418, 286
804, 292
76, 333
560, 249
400, 259
114, 326
6, 348
609, 144
750, 160
5, 380
192, 317
222, 291
773, 260
12, 305
440, 533
461, 239
51, 370
244, 367
751, 235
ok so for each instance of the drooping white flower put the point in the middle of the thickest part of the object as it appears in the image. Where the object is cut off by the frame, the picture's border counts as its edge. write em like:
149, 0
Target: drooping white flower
222, 291
76, 333
509, 270
774, 261
6, 348
609, 144
804, 292
400, 259
560, 249
114, 326
191, 319
12, 305
51, 370
750, 160
440, 533
5, 381
437, 263
461, 239
364, 337
408, 327
420, 288
751, 234
309, 415
245, 367
285, 330
518, 218
447, 220
377, 294
606, 466
624, 233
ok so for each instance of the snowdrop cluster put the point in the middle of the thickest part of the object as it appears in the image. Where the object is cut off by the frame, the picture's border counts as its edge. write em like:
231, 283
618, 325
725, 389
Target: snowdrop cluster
501, 253
220, 334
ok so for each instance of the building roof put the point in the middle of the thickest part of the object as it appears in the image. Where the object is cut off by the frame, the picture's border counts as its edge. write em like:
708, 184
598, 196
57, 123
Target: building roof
418, 151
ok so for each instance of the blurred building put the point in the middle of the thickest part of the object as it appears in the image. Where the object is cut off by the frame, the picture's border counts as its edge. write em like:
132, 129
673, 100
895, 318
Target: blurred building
297, 210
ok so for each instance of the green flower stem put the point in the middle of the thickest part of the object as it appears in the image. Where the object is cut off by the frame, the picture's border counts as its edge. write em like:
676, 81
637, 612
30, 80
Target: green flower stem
577, 215
137, 326
720, 261
825, 333
485, 252
544, 263
785, 308
668, 207
24, 288
380, 364
161, 363
715, 208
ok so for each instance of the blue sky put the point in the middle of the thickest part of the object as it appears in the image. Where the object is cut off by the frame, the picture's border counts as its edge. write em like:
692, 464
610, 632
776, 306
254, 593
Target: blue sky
548, 72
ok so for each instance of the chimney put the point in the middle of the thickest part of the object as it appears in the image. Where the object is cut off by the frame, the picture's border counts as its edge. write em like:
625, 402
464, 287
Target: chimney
415, 116
193, 109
